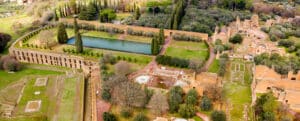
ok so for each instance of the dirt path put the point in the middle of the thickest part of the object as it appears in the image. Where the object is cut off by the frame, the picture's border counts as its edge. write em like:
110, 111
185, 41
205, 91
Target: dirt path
101, 105
204, 117
211, 56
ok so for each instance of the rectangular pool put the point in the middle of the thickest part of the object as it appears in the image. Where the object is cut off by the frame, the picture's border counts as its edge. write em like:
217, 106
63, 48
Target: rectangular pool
119, 45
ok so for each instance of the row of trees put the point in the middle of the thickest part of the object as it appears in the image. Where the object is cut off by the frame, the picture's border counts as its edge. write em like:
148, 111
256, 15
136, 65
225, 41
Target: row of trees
268, 109
281, 64
172, 61
177, 14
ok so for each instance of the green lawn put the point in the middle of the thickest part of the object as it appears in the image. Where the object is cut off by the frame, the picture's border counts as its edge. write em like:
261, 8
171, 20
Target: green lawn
69, 104
28, 95
214, 67
238, 95
187, 54
188, 50
6, 26
7, 78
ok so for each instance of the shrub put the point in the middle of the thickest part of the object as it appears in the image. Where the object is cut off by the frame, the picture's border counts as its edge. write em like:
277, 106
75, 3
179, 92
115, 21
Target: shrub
205, 104
236, 39
9, 63
109, 117
140, 117
183, 37
218, 116
4, 39
126, 113
172, 61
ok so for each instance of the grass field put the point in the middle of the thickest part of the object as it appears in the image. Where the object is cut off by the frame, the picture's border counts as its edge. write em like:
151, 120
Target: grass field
214, 67
7, 78
6, 26
28, 95
70, 108
121, 16
188, 50
238, 95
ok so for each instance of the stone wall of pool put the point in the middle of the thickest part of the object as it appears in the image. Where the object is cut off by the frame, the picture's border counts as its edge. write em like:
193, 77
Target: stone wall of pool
114, 44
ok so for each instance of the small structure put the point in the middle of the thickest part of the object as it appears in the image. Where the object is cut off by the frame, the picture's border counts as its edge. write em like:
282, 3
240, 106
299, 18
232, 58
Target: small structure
33, 106
41, 82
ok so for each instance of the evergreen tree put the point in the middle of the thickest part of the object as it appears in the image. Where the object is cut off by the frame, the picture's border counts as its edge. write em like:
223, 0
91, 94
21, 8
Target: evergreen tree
192, 97
205, 104
175, 98
161, 36
76, 29
88, 13
73, 6
137, 13
218, 116
155, 46
105, 4
78, 39
62, 35
78, 43
55, 15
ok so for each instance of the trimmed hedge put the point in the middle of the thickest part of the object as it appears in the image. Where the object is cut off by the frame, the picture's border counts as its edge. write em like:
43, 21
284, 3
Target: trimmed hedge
172, 61
141, 33
183, 37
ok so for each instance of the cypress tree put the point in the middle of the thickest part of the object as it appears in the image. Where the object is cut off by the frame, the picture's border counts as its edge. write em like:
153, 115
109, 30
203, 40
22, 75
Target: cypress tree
105, 4
55, 15
78, 43
155, 46
76, 29
137, 13
161, 36
78, 39
62, 35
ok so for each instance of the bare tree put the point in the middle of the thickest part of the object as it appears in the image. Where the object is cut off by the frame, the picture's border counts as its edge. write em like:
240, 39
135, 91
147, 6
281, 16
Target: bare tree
213, 92
158, 103
46, 39
128, 94
122, 68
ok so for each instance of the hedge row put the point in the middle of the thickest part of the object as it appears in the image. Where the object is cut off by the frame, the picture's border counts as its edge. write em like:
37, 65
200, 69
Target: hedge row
92, 27
31, 34
141, 33
183, 37
172, 61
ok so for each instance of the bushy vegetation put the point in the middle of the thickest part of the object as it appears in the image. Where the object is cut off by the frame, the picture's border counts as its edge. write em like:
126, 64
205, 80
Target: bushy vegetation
9, 63
205, 20
62, 35
172, 61
236, 39
218, 116
4, 39
282, 31
281, 64
266, 108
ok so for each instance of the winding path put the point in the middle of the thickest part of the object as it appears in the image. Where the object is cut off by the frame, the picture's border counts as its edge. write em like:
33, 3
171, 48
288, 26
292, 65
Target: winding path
204, 117
211, 56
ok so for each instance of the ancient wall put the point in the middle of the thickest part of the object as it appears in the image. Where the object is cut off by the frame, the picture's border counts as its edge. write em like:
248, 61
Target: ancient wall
64, 60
